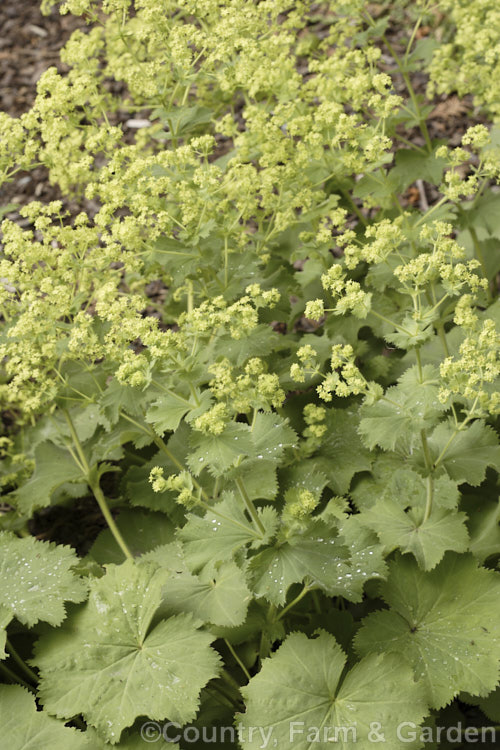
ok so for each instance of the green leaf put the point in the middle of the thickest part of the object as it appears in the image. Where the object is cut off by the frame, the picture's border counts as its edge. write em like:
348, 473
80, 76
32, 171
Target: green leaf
5, 618
36, 579
379, 186
261, 342
446, 623
167, 556
219, 452
183, 119
141, 531
366, 558
415, 333
368, 488
271, 435
109, 444
53, 467
168, 410
218, 596
468, 452
484, 526
85, 420
26, 728
220, 533
119, 397
491, 705
412, 165
302, 698
410, 489
484, 214
316, 555
177, 259
304, 475
258, 477
400, 416
108, 663
133, 738
427, 539
342, 453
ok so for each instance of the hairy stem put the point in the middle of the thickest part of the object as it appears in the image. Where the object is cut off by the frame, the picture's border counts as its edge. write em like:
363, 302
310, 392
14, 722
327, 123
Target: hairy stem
292, 604
31, 676
93, 483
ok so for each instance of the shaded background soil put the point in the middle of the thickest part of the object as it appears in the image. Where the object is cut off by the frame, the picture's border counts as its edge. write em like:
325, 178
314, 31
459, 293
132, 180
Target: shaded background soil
29, 44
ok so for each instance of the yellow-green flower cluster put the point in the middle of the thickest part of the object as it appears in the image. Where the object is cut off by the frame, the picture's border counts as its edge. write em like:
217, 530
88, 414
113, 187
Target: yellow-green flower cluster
474, 373
300, 503
253, 389
157, 479
470, 62
345, 378
314, 417
307, 357
213, 421
181, 484
351, 296
384, 238
239, 318
440, 264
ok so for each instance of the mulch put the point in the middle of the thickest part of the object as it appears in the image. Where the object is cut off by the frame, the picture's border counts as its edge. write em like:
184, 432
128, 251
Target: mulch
29, 44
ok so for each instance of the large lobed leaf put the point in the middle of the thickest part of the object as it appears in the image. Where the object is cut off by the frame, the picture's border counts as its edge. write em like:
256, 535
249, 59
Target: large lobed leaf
303, 698
112, 662
445, 623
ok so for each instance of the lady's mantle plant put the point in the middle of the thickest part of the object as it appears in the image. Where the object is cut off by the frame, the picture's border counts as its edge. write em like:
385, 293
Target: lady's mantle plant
276, 375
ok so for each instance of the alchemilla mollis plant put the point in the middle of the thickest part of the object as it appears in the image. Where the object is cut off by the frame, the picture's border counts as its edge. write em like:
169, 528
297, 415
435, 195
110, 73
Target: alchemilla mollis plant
276, 375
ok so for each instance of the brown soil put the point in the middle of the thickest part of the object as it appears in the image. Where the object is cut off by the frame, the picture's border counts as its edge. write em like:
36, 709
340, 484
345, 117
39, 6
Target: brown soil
29, 44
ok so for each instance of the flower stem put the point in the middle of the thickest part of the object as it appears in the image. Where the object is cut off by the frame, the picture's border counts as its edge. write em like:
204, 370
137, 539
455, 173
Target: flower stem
293, 602
21, 663
93, 482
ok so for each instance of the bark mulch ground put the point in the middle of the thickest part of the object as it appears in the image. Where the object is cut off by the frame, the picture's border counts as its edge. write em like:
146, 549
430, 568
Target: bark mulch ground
29, 44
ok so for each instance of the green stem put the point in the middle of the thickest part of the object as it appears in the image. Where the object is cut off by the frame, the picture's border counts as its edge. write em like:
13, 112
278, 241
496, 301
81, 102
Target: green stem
224, 692
419, 365
430, 497
237, 659
317, 605
293, 602
96, 490
442, 335
219, 693
391, 322
101, 501
431, 211
443, 452
231, 682
354, 207
250, 507
480, 257
15, 678
21, 663
430, 481
421, 120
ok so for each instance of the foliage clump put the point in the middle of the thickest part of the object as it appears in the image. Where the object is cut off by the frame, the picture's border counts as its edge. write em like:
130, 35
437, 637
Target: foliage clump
293, 440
